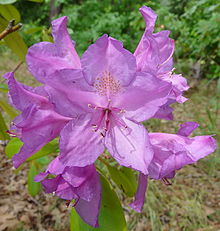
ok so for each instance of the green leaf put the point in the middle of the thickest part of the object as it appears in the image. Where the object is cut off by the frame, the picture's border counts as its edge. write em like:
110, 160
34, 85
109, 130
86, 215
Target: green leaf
49, 148
14, 41
33, 187
9, 12
44, 160
7, 1
111, 217
46, 36
8, 109
3, 129
33, 30
13, 147
3, 87
124, 178
15, 144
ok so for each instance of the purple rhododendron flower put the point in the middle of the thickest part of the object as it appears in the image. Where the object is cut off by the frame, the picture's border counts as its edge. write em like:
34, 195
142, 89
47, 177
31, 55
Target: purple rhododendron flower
154, 55
75, 183
171, 153
38, 123
97, 102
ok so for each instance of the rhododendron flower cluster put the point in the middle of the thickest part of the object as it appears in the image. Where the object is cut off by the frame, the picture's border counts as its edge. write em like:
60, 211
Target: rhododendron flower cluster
97, 103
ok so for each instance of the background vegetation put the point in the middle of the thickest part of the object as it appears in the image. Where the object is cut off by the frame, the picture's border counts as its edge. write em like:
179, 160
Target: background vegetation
192, 202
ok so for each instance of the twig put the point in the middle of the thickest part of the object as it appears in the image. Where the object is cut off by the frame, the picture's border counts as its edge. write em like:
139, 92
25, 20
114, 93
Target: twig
10, 28
17, 67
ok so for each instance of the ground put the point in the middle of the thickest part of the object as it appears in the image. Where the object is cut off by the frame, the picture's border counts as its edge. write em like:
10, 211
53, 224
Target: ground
191, 203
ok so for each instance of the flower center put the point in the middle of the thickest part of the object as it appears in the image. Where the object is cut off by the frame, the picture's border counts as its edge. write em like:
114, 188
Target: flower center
106, 118
107, 85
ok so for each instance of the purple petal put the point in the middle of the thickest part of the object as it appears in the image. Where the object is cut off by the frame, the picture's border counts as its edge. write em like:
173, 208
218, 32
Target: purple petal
130, 147
154, 51
179, 85
65, 191
64, 42
44, 58
88, 189
70, 93
165, 111
108, 55
187, 128
166, 49
79, 144
201, 147
21, 96
37, 127
50, 185
138, 203
55, 167
144, 97
40, 176
76, 176
172, 152
149, 17
89, 210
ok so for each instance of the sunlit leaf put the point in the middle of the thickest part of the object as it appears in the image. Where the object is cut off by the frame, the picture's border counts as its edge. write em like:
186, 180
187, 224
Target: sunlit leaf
15, 144
8, 109
49, 148
33, 187
3, 129
9, 12
7, 1
124, 178
111, 216
13, 147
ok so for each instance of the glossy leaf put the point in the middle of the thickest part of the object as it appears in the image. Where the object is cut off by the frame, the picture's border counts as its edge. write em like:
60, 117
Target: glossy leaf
49, 148
111, 216
15, 144
13, 147
3, 129
14, 41
7, 1
9, 12
124, 178
8, 109
33, 187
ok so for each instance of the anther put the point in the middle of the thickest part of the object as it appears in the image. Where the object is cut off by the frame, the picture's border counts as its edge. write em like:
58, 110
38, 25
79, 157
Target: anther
68, 203
166, 181
12, 134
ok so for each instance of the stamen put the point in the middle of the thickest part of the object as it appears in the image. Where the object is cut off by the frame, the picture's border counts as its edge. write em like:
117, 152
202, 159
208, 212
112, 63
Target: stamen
166, 181
107, 85
12, 134
75, 202
68, 203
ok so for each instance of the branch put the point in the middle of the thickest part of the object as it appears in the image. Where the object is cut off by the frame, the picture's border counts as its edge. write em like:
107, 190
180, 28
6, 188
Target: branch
10, 28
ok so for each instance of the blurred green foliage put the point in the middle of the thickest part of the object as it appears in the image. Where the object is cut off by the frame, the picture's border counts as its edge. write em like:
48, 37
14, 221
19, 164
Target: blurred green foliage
194, 25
